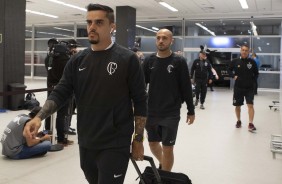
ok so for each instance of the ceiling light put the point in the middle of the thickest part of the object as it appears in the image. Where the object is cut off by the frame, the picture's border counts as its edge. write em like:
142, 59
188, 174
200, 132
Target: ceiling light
48, 33
155, 28
244, 4
69, 5
205, 28
168, 6
43, 14
146, 28
63, 29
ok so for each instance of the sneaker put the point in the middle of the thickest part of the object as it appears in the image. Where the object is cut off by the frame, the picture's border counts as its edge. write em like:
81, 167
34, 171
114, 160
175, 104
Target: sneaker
72, 129
71, 132
238, 124
252, 127
202, 106
196, 102
66, 142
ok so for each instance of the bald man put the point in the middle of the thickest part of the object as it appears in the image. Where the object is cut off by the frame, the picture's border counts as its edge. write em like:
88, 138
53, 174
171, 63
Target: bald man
170, 85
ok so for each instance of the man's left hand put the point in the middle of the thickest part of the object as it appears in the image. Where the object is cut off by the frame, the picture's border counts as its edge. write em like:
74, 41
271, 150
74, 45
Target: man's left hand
190, 119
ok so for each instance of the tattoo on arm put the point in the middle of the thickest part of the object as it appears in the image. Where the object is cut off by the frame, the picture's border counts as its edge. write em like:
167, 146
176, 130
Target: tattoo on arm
48, 108
140, 123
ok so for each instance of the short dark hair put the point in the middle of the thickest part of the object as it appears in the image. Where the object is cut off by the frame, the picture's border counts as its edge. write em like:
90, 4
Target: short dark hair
203, 52
110, 12
245, 45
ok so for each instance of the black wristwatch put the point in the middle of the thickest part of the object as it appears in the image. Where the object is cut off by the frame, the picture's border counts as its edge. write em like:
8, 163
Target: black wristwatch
138, 137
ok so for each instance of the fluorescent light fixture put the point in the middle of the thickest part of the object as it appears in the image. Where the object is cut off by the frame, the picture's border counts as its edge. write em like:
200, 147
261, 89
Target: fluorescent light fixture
59, 28
42, 32
244, 4
40, 13
155, 28
205, 28
259, 48
146, 28
168, 6
69, 5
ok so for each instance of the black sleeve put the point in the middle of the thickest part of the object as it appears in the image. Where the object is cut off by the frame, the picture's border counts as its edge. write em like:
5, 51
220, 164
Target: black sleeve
192, 70
256, 72
137, 87
231, 68
186, 86
210, 71
146, 69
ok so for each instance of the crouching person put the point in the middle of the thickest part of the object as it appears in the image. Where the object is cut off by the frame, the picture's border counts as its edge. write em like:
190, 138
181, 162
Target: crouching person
16, 145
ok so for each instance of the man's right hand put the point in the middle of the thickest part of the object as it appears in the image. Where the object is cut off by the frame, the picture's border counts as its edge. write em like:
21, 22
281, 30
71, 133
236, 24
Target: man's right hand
31, 127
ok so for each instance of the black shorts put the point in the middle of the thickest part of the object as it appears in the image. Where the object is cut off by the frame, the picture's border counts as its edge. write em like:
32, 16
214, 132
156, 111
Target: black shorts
240, 94
162, 129
107, 166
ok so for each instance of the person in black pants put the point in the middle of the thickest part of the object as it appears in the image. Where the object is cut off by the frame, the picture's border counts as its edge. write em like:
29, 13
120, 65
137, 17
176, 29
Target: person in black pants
106, 80
55, 63
203, 74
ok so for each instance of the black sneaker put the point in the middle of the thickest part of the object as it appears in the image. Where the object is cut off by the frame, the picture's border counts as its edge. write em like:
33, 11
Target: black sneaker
238, 124
72, 129
196, 102
202, 106
71, 132
252, 127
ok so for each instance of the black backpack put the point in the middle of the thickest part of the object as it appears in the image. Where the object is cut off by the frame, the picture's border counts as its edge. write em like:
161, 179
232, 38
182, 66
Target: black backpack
30, 101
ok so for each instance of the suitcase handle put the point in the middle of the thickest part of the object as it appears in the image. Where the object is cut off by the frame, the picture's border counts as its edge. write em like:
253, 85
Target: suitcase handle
154, 168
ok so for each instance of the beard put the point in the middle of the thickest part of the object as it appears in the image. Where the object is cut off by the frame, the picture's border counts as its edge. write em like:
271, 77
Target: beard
162, 48
93, 41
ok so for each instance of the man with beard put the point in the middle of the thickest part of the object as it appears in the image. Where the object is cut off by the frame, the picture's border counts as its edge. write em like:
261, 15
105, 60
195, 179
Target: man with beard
170, 85
105, 79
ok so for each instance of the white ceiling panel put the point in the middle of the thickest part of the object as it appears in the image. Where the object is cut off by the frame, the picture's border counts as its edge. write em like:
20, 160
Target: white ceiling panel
150, 9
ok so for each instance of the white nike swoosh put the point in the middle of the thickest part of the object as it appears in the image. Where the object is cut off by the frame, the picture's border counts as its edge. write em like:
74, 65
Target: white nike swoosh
118, 175
80, 69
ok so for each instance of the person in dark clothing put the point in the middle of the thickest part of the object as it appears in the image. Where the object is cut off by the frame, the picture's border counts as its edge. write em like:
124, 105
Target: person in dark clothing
203, 75
55, 62
244, 71
106, 79
168, 76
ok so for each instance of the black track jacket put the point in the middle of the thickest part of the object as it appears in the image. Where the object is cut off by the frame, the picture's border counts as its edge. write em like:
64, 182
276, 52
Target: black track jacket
246, 70
170, 85
104, 83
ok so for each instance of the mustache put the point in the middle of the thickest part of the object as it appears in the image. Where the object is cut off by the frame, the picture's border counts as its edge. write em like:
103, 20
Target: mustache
93, 31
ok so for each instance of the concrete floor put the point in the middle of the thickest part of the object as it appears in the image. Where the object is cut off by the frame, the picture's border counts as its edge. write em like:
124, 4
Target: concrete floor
210, 151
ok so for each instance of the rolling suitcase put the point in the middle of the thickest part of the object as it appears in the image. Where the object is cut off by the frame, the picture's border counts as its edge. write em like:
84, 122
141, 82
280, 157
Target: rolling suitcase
152, 175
